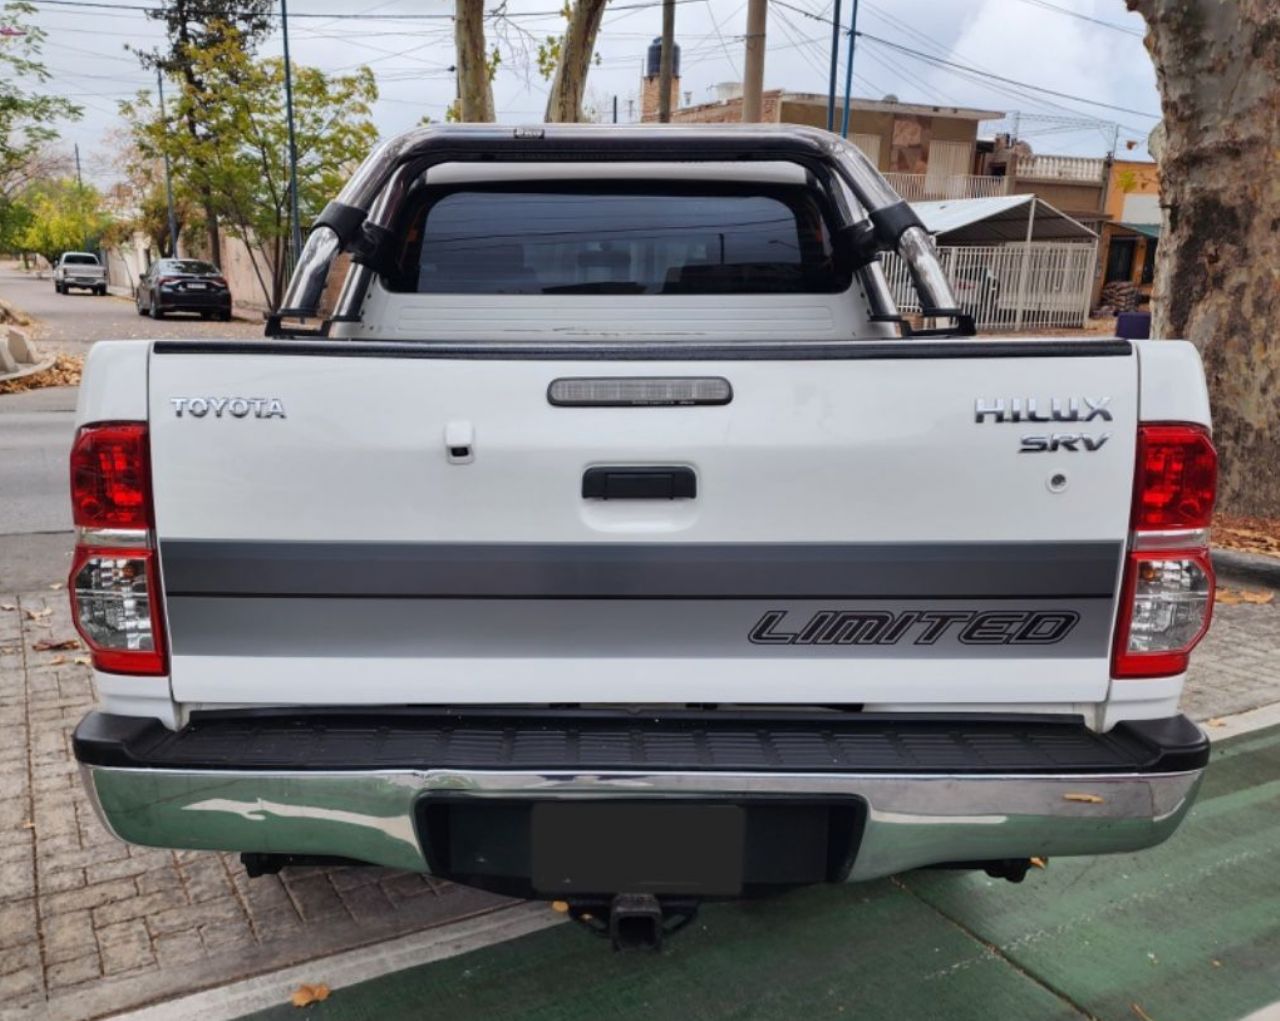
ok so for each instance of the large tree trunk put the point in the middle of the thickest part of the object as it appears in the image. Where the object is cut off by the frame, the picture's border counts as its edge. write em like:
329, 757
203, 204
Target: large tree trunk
475, 91
1217, 277
564, 104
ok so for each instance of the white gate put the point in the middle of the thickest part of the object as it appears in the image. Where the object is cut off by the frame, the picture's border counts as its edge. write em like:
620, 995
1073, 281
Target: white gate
1017, 286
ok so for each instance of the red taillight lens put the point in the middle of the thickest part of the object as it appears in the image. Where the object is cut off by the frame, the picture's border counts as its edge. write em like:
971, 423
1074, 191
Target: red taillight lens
1177, 478
114, 584
110, 477
219, 281
1167, 599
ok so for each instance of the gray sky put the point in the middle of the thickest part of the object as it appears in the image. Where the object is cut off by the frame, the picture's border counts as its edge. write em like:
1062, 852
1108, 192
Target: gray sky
1051, 44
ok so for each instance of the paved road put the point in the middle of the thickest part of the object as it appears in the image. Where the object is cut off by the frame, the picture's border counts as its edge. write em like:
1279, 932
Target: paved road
73, 322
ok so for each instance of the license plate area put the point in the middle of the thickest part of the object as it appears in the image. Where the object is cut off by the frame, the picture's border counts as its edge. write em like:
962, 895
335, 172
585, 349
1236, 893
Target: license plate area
706, 847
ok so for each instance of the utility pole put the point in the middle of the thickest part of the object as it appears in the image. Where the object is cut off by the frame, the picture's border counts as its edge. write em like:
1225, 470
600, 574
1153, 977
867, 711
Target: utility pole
293, 145
848, 69
168, 176
835, 64
668, 59
753, 64
615, 109
79, 179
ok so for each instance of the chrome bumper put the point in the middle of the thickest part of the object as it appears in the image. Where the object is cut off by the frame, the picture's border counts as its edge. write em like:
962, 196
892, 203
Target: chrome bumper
911, 820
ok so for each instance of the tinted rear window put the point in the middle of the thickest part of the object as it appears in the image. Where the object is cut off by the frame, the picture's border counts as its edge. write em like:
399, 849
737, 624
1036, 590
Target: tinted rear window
80, 260
187, 266
599, 239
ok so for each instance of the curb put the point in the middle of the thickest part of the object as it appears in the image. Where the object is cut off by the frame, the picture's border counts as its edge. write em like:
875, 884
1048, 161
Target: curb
1247, 567
18, 356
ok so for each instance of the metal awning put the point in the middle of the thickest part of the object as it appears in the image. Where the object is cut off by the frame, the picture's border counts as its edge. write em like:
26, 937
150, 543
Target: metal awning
1151, 230
997, 220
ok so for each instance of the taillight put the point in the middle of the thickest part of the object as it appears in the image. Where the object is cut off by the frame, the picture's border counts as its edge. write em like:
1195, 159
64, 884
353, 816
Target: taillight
162, 281
114, 585
1167, 598
218, 282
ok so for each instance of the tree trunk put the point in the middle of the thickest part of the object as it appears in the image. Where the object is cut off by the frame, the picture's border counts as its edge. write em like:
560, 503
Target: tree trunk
211, 226
475, 91
564, 103
1217, 279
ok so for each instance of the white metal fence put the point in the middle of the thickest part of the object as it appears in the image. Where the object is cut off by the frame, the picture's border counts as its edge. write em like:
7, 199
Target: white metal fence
1016, 286
934, 187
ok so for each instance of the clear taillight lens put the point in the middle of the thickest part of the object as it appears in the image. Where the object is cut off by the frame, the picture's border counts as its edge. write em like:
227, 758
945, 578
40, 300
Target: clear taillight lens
114, 599
1170, 600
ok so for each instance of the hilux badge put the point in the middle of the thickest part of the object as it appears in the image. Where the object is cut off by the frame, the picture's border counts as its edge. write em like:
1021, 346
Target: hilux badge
236, 407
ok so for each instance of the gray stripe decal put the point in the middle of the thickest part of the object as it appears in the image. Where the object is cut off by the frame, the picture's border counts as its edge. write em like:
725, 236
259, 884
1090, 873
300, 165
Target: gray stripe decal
642, 570
373, 629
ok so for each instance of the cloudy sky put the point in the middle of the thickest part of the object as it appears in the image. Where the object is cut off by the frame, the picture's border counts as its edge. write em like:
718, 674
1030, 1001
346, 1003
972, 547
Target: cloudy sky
1089, 50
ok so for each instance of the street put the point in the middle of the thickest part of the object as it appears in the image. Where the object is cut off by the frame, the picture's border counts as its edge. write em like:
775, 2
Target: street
71, 323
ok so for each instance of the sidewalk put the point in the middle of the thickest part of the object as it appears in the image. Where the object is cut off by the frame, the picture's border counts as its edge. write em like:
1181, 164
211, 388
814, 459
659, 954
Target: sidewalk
1189, 930
89, 925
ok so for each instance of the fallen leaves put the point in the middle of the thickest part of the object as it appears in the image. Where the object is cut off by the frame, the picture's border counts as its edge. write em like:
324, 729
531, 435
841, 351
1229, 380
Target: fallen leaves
66, 370
1039, 863
1233, 597
1087, 799
306, 994
1248, 535
1217, 721
56, 645
57, 661
82, 661
1137, 1009
7, 606
560, 907
38, 614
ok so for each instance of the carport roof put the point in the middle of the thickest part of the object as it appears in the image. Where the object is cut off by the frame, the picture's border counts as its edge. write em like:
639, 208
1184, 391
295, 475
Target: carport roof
998, 219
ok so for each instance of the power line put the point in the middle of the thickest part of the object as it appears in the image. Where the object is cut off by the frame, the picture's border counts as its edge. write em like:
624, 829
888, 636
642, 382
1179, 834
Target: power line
919, 55
1046, 5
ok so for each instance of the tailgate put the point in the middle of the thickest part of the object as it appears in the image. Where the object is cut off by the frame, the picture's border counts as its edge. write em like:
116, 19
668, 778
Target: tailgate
864, 528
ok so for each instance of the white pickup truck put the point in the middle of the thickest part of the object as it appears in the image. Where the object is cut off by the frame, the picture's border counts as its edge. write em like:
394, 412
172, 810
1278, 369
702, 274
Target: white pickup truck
82, 270
612, 539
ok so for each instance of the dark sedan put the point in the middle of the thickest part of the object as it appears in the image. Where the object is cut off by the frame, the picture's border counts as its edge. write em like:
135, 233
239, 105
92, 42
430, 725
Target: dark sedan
183, 285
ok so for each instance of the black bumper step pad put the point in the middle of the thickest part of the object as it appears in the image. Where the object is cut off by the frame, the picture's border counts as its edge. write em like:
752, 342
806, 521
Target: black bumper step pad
596, 740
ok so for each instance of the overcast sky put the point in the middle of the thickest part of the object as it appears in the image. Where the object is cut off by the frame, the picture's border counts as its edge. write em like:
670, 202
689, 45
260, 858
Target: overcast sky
1087, 49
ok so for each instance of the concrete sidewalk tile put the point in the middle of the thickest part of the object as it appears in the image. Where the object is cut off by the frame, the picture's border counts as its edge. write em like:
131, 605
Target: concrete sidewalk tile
125, 946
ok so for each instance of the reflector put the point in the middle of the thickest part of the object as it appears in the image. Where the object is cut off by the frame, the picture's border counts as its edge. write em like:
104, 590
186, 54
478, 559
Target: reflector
1169, 598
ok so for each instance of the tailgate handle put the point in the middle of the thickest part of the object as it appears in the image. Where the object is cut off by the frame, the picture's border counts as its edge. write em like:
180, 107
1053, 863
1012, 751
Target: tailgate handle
639, 483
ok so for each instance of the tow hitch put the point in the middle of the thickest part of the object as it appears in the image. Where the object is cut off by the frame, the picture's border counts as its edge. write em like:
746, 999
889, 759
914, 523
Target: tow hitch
634, 921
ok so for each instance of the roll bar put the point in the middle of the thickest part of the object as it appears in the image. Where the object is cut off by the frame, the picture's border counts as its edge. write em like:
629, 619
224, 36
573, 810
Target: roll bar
359, 219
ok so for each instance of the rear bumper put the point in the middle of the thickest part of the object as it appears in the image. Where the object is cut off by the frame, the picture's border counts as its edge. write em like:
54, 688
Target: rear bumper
217, 784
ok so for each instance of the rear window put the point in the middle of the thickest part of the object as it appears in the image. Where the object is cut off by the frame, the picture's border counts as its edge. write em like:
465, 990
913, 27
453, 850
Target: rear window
80, 260
187, 266
594, 238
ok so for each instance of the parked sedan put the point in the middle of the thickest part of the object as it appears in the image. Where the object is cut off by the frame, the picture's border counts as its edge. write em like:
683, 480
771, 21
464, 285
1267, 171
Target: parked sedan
183, 285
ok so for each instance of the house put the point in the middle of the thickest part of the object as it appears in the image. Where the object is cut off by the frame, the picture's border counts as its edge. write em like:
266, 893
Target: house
1077, 185
1129, 235
925, 151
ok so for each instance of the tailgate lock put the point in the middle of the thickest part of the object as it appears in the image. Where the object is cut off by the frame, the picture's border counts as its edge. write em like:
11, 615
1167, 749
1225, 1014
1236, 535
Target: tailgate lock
459, 442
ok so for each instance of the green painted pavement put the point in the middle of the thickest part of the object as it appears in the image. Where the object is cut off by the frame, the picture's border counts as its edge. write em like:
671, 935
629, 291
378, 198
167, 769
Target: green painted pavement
1189, 930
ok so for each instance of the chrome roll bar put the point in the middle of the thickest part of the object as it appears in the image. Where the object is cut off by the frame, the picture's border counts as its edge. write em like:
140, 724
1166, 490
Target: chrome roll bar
360, 217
